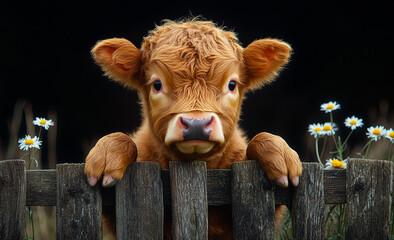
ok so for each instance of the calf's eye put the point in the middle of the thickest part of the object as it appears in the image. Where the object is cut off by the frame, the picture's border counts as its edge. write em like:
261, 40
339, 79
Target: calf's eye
231, 85
157, 85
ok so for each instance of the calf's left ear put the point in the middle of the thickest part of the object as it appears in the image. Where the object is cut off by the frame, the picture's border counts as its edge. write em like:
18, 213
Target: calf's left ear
120, 60
264, 58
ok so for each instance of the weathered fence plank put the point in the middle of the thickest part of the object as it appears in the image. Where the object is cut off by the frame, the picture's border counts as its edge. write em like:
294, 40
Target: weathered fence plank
44, 191
369, 188
308, 204
189, 200
12, 199
139, 203
253, 202
78, 206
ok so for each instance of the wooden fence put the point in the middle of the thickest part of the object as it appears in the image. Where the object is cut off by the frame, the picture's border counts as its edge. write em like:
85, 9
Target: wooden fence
366, 186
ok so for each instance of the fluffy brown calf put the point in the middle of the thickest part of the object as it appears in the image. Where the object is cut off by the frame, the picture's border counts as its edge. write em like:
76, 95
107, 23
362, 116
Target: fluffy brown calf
191, 77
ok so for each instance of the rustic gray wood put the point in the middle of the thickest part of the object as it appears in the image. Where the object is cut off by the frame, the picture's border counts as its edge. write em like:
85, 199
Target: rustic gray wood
139, 203
335, 186
78, 206
253, 202
308, 204
189, 200
369, 187
12, 199
219, 187
41, 188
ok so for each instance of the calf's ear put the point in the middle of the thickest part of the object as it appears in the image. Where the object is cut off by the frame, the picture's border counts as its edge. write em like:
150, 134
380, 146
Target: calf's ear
264, 58
120, 60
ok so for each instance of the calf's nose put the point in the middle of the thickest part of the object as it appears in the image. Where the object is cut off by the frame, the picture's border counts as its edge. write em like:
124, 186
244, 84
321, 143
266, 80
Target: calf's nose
196, 129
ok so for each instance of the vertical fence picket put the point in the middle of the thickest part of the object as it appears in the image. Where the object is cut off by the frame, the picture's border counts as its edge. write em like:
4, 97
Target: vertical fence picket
252, 202
369, 187
12, 199
189, 200
139, 203
78, 205
308, 204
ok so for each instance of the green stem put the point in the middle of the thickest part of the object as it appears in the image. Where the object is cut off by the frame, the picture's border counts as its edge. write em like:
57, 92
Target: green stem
31, 221
347, 138
39, 133
339, 148
28, 166
392, 157
24, 155
366, 146
317, 151
324, 147
331, 118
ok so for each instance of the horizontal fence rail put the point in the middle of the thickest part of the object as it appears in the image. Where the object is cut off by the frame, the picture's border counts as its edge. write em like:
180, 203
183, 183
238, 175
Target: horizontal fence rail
140, 197
41, 188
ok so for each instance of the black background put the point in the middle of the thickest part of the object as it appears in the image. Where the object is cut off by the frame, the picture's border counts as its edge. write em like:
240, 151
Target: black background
343, 51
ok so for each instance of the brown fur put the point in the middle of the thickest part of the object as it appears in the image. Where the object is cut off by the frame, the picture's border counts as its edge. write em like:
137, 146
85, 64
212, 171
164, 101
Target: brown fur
194, 60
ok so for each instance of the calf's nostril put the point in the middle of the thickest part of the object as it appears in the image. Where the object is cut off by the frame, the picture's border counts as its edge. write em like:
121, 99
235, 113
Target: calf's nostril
186, 122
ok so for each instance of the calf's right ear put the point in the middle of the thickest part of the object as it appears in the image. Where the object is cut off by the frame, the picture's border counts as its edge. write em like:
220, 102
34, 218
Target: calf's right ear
120, 60
264, 59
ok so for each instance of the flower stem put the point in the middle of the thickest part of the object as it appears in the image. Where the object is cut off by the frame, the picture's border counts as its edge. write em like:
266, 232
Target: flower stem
338, 147
39, 133
317, 151
324, 147
367, 146
30, 158
347, 138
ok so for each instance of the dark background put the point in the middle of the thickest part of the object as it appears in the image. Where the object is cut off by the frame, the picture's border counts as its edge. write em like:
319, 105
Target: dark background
343, 51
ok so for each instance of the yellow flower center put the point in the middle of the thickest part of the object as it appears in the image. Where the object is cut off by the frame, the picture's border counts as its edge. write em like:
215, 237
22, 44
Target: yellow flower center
337, 163
43, 121
327, 128
391, 134
29, 141
330, 106
376, 132
353, 122
317, 129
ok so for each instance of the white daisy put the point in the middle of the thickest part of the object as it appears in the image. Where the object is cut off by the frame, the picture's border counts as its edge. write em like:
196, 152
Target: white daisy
315, 129
376, 132
390, 135
329, 129
29, 142
42, 122
329, 107
353, 122
335, 164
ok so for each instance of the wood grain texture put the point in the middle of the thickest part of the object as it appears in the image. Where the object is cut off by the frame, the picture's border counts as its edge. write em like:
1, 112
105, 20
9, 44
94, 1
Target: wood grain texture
44, 191
189, 200
369, 188
12, 199
308, 204
253, 202
78, 206
41, 188
139, 203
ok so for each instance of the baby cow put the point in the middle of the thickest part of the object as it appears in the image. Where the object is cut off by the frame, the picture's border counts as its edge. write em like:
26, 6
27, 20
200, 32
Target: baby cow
191, 77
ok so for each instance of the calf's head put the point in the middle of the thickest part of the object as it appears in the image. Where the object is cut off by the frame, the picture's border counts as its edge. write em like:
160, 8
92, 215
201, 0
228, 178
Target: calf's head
191, 77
